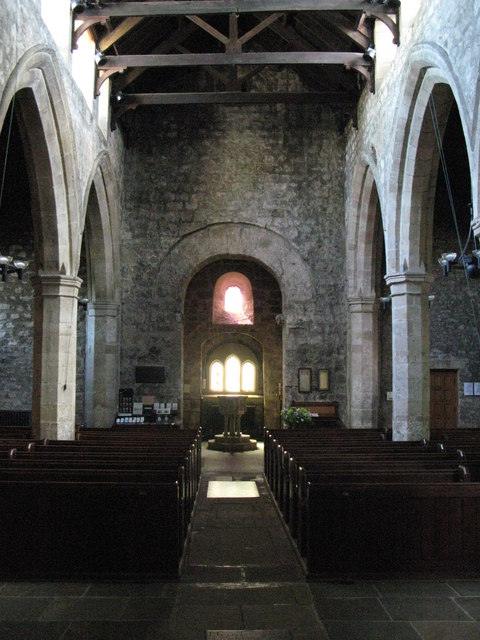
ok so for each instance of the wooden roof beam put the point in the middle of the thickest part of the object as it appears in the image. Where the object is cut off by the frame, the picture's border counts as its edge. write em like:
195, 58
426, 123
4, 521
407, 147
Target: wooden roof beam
348, 59
342, 24
132, 101
116, 34
176, 38
294, 39
198, 7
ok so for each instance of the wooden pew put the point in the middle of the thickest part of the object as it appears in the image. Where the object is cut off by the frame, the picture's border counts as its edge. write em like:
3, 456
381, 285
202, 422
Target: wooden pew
112, 507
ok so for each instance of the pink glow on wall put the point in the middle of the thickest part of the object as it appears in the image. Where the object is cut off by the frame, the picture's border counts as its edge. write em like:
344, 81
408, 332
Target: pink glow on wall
233, 299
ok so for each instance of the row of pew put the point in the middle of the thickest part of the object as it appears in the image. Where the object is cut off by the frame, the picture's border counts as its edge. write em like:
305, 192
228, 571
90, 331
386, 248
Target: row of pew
112, 503
358, 504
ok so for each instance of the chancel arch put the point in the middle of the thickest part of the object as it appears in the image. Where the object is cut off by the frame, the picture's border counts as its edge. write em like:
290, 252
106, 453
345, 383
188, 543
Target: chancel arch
252, 243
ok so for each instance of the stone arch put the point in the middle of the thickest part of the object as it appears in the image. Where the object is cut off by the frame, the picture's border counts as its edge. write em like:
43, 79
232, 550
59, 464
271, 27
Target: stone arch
99, 230
475, 163
363, 211
101, 373
263, 337
428, 65
35, 87
240, 240
430, 76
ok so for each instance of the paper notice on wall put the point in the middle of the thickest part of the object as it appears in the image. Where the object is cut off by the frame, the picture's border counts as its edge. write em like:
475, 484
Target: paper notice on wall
476, 388
468, 389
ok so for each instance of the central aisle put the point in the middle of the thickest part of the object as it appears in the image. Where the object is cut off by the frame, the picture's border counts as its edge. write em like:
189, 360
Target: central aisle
242, 570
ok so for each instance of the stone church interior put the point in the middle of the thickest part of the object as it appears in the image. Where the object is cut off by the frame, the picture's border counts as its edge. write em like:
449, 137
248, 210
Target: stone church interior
240, 319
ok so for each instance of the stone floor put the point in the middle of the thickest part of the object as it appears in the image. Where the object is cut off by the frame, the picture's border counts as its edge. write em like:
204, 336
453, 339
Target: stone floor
241, 581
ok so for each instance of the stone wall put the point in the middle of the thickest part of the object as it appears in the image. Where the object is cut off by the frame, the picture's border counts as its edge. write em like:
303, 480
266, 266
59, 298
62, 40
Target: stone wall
218, 174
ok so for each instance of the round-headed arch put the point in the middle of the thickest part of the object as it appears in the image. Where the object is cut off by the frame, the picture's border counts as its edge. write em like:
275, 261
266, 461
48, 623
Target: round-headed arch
243, 241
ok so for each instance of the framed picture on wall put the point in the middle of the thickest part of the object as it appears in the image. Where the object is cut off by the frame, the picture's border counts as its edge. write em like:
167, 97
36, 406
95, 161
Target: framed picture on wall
323, 380
304, 380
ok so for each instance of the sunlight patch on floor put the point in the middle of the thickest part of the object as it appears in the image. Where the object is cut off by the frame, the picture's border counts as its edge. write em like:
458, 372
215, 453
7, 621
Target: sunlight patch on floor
232, 489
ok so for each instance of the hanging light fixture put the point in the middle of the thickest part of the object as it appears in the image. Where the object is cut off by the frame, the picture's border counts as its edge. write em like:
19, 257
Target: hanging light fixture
468, 262
8, 264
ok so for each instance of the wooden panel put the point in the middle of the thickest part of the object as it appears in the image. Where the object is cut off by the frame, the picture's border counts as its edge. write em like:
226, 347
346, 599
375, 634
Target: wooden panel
443, 399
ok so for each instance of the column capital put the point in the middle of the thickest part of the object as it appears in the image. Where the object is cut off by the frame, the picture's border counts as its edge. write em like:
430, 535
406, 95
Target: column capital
101, 308
362, 304
48, 284
476, 226
411, 282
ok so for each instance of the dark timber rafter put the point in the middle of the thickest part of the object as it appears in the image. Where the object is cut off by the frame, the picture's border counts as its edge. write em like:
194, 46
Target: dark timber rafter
132, 101
349, 59
202, 7
304, 27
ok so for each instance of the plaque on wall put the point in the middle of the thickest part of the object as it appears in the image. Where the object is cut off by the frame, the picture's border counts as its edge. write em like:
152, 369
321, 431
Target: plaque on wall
304, 380
146, 374
323, 380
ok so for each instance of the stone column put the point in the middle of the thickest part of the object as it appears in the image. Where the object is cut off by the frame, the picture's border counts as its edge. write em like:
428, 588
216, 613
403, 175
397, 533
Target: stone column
476, 226
410, 356
54, 355
101, 364
364, 363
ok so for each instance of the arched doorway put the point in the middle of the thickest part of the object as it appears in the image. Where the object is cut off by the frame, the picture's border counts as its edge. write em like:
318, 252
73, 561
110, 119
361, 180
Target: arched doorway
231, 336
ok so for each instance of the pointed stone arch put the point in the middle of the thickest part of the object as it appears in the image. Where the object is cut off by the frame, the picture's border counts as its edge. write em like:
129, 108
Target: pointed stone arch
101, 375
39, 97
363, 214
35, 90
431, 83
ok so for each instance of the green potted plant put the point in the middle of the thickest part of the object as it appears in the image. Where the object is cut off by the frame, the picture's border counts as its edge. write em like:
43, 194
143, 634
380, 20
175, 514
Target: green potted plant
295, 417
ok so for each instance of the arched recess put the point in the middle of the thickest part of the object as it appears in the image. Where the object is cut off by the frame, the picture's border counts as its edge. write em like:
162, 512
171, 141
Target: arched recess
259, 342
98, 345
35, 92
367, 322
250, 242
410, 282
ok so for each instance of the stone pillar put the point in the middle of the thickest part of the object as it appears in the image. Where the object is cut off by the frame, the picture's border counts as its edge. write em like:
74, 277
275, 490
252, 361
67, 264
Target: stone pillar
410, 356
476, 226
101, 364
54, 355
364, 363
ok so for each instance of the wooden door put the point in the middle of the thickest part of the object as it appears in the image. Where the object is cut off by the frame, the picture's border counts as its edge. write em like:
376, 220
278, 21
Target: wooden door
443, 399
